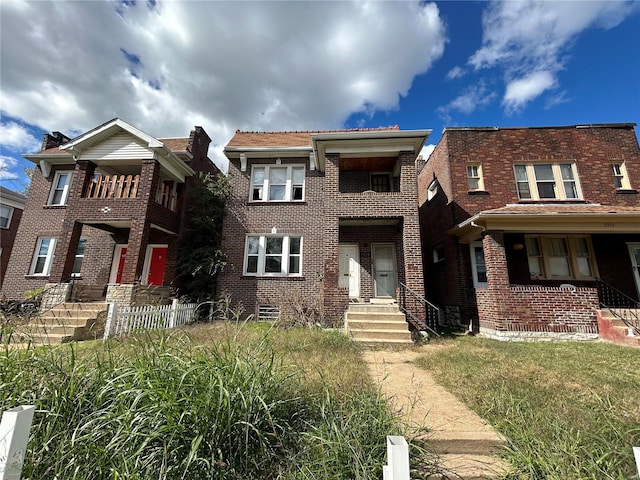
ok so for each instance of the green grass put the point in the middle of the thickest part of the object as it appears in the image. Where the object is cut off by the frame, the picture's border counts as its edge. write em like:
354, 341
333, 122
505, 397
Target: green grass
207, 401
570, 410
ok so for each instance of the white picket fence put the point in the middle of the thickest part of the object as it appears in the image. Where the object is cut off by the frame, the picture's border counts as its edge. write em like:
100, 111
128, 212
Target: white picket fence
124, 320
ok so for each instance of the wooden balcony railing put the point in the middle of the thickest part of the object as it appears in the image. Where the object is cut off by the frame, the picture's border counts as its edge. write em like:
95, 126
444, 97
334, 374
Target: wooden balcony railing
167, 197
113, 186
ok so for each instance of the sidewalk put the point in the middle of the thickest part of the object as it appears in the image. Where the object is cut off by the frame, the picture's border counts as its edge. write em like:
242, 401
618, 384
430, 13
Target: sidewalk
464, 443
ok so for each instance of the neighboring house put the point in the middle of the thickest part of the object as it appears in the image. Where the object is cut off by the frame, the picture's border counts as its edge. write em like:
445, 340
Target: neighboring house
526, 230
104, 214
11, 207
322, 219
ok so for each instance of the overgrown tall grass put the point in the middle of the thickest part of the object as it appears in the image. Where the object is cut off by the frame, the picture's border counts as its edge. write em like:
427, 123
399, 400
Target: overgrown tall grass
570, 410
171, 406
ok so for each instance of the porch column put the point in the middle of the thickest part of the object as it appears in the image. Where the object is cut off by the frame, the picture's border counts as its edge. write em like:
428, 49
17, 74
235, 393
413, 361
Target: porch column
136, 251
412, 252
66, 248
495, 298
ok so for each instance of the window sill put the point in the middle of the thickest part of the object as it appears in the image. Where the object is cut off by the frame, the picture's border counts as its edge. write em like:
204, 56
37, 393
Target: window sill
274, 277
275, 202
553, 200
54, 207
626, 191
478, 192
33, 276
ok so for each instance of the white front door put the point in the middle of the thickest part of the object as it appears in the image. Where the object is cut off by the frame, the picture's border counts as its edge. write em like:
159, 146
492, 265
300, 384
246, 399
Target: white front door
634, 251
384, 269
349, 269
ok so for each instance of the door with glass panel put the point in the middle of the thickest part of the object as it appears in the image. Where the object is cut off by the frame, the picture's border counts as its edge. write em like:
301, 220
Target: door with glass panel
384, 269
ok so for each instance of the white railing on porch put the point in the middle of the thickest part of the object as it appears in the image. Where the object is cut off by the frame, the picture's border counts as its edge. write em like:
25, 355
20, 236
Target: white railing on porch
124, 320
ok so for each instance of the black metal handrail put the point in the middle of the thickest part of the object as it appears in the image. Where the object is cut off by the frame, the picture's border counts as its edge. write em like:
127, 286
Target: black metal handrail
621, 305
411, 302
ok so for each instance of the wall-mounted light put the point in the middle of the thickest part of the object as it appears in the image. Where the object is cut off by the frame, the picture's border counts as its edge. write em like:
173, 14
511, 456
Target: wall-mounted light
518, 246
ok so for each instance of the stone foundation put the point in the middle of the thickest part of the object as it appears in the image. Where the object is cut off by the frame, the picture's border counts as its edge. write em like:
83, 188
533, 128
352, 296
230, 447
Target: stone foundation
55, 294
125, 295
528, 336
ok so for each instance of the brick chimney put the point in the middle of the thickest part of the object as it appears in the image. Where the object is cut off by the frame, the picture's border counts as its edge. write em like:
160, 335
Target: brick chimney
55, 139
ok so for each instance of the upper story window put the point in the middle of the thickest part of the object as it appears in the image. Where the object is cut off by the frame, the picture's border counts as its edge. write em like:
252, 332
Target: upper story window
620, 177
432, 190
5, 216
277, 255
474, 177
547, 181
380, 182
275, 183
560, 257
43, 256
60, 188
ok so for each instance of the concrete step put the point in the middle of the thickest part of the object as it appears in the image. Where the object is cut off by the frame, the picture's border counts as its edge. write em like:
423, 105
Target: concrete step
382, 341
376, 333
36, 329
467, 467
71, 321
464, 442
42, 338
376, 324
372, 308
375, 316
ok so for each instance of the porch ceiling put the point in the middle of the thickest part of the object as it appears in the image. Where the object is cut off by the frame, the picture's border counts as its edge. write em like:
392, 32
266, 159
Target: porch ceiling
551, 219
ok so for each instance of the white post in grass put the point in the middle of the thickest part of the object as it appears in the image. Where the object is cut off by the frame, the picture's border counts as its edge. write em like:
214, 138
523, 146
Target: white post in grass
14, 434
636, 453
172, 313
397, 467
111, 316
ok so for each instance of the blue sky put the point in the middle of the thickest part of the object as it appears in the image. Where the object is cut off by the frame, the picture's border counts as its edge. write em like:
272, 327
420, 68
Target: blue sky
167, 66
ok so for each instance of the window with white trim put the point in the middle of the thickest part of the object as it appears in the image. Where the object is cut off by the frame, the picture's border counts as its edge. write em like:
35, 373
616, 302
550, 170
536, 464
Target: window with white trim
474, 177
620, 178
547, 181
60, 188
559, 257
277, 255
277, 183
77, 262
478, 265
5, 216
43, 256
381, 182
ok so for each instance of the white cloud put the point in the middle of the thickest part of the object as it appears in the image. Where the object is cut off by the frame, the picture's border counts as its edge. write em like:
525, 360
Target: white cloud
17, 138
526, 37
455, 72
427, 150
6, 165
474, 97
222, 65
521, 91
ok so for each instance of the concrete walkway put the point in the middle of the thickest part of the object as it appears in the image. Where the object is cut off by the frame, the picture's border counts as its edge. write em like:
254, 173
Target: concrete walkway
464, 444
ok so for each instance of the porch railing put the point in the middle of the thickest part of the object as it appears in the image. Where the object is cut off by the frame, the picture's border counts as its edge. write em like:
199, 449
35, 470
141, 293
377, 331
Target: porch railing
113, 186
619, 304
166, 197
411, 303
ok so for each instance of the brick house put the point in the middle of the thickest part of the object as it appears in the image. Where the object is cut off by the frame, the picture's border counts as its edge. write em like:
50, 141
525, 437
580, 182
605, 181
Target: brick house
104, 214
323, 219
525, 230
11, 207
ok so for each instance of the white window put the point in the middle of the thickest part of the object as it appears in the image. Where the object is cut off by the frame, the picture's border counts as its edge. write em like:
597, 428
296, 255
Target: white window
560, 257
547, 181
43, 256
438, 253
275, 183
478, 265
77, 263
60, 188
273, 255
474, 177
432, 190
5, 216
620, 178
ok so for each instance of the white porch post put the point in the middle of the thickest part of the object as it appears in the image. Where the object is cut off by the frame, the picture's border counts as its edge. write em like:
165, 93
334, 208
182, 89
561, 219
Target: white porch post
14, 434
397, 467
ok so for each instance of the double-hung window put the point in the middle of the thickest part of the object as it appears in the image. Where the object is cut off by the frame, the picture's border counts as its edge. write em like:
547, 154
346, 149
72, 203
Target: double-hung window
277, 183
560, 257
277, 255
474, 177
620, 178
547, 181
478, 265
77, 263
43, 256
60, 188
5, 216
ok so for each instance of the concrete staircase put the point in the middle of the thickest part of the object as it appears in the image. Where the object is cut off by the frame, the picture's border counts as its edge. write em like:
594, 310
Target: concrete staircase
612, 329
64, 323
377, 324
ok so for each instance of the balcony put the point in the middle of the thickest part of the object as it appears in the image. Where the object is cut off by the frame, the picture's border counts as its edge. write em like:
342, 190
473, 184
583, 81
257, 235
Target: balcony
113, 186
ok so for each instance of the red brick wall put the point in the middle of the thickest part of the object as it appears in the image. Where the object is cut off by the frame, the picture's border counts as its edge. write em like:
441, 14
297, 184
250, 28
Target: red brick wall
7, 240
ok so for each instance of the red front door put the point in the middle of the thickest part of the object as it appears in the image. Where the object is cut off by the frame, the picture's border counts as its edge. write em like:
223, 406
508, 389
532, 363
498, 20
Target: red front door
156, 265
123, 255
